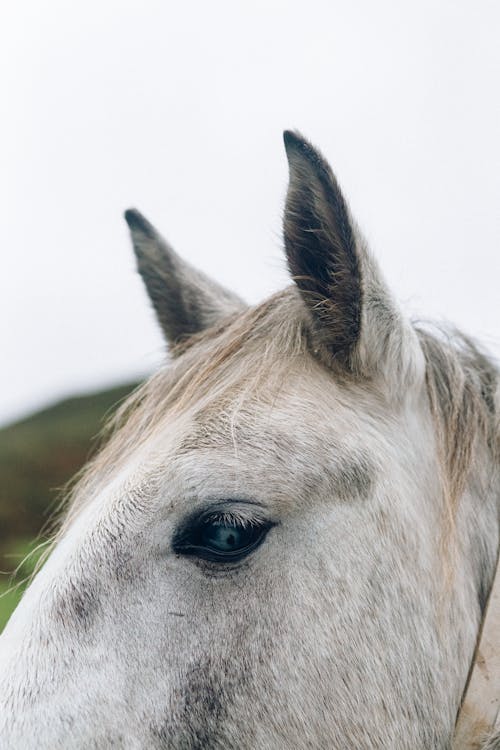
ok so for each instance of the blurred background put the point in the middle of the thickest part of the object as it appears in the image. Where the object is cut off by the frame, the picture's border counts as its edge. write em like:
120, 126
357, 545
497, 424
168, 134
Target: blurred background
178, 109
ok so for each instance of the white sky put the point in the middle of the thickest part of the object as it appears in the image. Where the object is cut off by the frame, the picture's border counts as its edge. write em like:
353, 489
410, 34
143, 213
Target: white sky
177, 109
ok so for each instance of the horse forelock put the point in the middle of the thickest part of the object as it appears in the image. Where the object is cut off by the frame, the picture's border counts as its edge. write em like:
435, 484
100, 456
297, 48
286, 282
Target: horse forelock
208, 372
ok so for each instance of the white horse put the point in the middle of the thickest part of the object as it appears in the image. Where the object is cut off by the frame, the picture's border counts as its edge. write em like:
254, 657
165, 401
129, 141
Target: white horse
290, 536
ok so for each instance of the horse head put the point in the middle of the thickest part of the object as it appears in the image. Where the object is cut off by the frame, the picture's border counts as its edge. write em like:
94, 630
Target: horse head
289, 538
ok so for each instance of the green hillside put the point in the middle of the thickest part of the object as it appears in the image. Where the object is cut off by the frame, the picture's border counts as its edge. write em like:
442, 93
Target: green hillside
38, 456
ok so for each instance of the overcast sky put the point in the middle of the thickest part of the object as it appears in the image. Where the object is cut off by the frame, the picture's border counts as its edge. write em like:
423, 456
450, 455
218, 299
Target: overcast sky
178, 108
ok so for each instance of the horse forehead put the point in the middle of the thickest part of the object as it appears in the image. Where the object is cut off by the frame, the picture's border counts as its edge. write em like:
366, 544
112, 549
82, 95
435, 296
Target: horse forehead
307, 411
264, 450
304, 438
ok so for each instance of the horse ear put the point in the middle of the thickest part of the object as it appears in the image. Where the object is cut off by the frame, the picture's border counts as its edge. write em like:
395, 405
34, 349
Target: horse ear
185, 300
354, 320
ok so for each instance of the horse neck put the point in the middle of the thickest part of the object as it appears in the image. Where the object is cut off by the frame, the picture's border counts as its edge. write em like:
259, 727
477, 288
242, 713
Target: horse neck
478, 536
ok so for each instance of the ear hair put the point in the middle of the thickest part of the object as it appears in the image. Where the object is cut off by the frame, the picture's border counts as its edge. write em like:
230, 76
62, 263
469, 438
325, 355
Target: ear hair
321, 248
355, 323
185, 300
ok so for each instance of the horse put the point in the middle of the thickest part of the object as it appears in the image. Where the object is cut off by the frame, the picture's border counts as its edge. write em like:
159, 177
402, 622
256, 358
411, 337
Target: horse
289, 537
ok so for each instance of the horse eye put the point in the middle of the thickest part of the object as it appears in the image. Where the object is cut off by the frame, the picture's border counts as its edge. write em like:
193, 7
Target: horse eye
220, 539
223, 537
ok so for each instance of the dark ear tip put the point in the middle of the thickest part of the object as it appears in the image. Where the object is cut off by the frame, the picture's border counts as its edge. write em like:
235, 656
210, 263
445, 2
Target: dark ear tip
299, 150
138, 223
302, 154
293, 140
131, 216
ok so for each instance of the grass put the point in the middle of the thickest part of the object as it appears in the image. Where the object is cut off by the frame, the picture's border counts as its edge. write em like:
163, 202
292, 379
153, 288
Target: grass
40, 454
19, 558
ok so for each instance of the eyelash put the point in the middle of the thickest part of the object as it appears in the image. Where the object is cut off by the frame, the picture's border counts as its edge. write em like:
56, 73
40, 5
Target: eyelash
231, 518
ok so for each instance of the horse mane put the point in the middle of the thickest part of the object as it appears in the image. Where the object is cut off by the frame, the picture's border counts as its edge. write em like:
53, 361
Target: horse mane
492, 742
253, 350
461, 381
